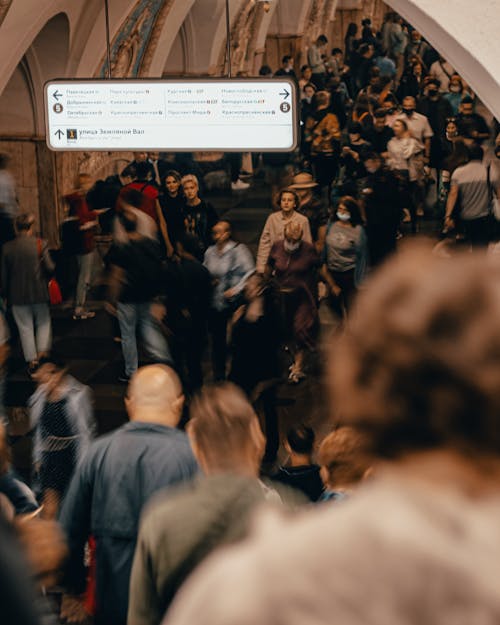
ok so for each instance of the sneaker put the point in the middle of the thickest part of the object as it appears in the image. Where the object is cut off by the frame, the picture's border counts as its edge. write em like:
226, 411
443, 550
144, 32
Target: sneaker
239, 185
86, 314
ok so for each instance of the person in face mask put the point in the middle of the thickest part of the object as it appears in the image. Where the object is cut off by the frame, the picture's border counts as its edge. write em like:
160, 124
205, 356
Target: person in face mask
437, 110
418, 125
471, 124
345, 254
293, 263
274, 228
455, 93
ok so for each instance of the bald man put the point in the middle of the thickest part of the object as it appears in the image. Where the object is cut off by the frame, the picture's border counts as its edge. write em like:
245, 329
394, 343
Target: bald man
113, 482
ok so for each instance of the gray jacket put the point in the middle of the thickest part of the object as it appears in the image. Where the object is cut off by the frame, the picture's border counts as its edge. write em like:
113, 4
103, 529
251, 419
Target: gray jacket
25, 271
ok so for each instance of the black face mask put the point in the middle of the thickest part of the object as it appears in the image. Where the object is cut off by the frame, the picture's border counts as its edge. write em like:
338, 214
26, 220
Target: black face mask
408, 112
432, 92
391, 111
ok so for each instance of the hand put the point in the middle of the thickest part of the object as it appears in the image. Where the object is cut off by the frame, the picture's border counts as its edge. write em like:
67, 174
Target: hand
230, 293
44, 546
336, 290
158, 311
449, 224
73, 610
110, 308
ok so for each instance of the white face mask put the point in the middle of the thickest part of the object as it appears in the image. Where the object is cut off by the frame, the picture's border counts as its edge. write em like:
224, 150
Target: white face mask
291, 247
343, 216
455, 89
371, 170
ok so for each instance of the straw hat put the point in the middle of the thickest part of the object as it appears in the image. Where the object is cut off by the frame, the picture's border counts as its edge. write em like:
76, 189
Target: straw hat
303, 180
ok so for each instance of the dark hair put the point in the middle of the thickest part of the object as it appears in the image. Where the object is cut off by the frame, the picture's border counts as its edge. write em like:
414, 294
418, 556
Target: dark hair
25, 221
304, 67
364, 48
372, 156
380, 113
192, 245
143, 170
133, 197
129, 171
354, 128
353, 207
336, 51
4, 160
286, 58
322, 39
352, 29
173, 173
301, 439
476, 152
309, 84
418, 365
434, 81
466, 100
265, 70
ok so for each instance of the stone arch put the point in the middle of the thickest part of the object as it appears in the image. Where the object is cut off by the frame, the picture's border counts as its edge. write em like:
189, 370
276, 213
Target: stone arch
46, 58
466, 36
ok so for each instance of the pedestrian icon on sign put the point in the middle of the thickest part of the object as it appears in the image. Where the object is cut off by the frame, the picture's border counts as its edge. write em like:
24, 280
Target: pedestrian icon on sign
71, 134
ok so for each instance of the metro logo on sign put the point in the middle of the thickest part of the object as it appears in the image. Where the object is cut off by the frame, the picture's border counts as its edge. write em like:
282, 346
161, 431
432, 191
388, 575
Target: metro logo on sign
172, 115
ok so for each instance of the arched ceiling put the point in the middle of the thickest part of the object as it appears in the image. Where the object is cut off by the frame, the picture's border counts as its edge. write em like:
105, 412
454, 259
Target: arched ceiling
467, 34
143, 33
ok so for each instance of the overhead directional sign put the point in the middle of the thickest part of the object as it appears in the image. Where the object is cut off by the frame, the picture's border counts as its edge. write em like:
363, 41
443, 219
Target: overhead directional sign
172, 115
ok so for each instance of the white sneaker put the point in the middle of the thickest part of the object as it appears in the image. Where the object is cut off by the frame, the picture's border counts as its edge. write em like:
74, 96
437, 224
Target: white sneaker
239, 185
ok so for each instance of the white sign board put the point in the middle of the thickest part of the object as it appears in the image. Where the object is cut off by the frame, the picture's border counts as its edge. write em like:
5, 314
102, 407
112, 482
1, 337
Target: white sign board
172, 115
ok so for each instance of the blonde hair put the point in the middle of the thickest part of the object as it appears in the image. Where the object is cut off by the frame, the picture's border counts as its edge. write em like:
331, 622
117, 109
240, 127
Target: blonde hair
190, 178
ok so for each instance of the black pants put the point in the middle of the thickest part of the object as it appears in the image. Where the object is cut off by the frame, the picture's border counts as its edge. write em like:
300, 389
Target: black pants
217, 327
478, 231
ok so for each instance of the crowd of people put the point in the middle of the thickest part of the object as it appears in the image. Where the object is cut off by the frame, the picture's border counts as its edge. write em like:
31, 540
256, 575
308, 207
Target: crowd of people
390, 139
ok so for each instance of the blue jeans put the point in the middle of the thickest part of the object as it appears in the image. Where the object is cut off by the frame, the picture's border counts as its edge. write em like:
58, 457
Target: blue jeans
35, 330
133, 315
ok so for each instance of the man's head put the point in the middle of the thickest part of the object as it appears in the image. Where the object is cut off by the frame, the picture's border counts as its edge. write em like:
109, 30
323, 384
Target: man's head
379, 118
322, 99
25, 223
303, 183
288, 200
293, 236
372, 161
467, 106
476, 152
409, 105
300, 441
224, 431
432, 88
321, 41
416, 37
154, 395
309, 91
139, 157
221, 233
143, 171
306, 72
417, 368
287, 62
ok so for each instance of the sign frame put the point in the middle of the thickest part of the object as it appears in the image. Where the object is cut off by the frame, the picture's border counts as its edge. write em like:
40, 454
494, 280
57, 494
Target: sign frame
187, 81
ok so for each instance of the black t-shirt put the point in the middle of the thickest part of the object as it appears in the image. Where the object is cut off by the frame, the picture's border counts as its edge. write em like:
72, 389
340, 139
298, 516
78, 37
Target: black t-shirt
306, 479
141, 261
379, 140
172, 209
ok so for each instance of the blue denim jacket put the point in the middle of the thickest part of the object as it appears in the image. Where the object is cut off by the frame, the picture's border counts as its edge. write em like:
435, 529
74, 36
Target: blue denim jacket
80, 415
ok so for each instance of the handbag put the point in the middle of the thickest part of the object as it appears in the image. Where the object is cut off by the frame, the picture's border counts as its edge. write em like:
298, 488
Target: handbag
494, 200
55, 295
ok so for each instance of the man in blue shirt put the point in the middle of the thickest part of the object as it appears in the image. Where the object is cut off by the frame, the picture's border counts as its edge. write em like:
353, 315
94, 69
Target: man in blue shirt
118, 475
230, 264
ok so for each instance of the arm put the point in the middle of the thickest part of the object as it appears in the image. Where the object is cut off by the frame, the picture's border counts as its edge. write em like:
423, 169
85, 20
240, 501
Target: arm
265, 244
48, 264
307, 232
246, 266
320, 243
450, 204
164, 229
328, 278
